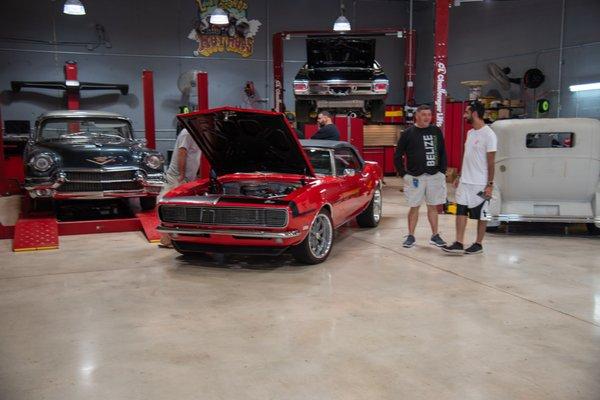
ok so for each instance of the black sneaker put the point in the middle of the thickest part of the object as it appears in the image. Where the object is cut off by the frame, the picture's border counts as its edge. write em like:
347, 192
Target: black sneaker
437, 240
409, 241
475, 248
455, 248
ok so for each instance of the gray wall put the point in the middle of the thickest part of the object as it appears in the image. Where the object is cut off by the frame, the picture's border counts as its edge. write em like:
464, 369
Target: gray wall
521, 34
152, 34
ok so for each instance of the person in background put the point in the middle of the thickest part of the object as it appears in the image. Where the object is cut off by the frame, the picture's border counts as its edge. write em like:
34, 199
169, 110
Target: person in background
292, 120
422, 147
327, 130
475, 184
183, 168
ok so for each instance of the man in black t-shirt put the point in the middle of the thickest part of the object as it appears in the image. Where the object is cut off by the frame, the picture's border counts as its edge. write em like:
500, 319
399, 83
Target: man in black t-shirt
421, 147
327, 130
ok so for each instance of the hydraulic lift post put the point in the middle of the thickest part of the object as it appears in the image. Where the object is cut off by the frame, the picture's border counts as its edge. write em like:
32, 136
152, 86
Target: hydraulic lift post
440, 61
202, 88
149, 121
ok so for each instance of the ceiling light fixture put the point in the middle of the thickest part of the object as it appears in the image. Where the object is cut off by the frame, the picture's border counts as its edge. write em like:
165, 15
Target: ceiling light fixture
584, 87
219, 17
74, 7
341, 24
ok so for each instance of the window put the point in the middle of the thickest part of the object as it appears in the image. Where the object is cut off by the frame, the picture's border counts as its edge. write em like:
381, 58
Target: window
320, 160
346, 159
546, 140
81, 129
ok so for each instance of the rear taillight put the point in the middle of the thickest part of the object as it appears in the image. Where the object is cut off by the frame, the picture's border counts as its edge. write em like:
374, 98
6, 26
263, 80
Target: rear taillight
300, 87
381, 86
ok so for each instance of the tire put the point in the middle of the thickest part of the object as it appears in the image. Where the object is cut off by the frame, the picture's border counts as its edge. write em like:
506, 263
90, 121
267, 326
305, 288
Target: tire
371, 216
303, 108
148, 203
315, 248
593, 229
377, 111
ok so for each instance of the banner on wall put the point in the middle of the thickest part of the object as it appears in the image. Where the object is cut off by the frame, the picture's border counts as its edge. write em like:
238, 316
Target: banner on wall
236, 37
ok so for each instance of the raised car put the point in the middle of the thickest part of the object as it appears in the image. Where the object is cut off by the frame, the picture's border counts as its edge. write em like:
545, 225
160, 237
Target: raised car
269, 192
341, 75
90, 155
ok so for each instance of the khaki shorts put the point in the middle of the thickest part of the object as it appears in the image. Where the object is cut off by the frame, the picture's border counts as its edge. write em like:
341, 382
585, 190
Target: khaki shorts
428, 188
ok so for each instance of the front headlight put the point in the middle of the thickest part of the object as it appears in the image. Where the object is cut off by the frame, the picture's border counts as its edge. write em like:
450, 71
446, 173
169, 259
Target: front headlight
154, 161
42, 162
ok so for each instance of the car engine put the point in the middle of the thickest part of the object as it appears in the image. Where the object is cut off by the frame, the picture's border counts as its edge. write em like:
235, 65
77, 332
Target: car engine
259, 189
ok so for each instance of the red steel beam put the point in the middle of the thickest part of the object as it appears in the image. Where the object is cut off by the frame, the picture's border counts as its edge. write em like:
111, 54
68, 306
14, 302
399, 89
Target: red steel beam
278, 38
440, 61
149, 121
72, 94
202, 86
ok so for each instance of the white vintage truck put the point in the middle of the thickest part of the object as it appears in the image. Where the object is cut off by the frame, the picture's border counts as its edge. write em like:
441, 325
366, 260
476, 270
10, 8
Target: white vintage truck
547, 170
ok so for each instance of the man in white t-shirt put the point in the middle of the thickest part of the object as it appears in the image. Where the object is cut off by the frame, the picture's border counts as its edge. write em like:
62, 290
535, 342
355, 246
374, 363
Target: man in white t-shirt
183, 168
475, 184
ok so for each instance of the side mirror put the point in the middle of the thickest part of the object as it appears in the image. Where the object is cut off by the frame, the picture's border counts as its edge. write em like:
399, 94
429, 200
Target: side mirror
349, 172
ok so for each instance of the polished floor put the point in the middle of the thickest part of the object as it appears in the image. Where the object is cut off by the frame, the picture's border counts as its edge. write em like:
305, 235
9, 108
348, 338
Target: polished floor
112, 317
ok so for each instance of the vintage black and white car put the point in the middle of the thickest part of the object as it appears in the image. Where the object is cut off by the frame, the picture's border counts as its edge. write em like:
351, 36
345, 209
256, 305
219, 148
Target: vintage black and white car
90, 155
341, 75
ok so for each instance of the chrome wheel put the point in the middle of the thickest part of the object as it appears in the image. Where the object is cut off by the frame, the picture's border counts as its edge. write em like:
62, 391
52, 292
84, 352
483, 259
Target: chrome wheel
377, 205
320, 236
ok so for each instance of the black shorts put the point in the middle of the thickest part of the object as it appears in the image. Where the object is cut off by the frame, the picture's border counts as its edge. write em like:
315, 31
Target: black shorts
473, 213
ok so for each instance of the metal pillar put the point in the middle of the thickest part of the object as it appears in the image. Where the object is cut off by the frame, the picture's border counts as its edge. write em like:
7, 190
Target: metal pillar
202, 86
440, 61
149, 122
4, 187
409, 68
72, 85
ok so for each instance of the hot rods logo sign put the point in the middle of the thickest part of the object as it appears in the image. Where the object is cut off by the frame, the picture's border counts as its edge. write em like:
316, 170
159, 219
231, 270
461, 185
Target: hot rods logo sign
236, 37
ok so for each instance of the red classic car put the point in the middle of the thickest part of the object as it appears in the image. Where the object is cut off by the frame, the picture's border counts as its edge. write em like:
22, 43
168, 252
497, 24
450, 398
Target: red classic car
268, 191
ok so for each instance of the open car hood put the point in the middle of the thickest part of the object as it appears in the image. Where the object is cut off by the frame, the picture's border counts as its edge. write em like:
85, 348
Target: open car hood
240, 140
328, 52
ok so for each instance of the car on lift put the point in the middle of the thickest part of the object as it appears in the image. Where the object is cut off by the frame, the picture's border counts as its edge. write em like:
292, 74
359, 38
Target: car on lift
547, 170
90, 155
268, 191
341, 75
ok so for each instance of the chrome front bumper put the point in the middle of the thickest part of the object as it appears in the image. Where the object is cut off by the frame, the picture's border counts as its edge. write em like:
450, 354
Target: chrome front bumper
150, 185
230, 232
540, 218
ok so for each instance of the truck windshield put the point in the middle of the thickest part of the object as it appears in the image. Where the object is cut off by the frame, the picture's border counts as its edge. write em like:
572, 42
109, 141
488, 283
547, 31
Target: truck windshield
85, 129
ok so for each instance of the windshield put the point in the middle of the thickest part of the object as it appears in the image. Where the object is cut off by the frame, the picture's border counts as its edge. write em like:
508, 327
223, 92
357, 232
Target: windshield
320, 160
85, 129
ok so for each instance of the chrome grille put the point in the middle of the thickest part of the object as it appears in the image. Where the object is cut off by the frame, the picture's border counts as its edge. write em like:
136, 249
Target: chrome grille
259, 217
69, 187
97, 176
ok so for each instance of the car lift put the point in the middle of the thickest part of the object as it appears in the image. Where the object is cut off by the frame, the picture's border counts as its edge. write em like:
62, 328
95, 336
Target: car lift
40, 231
409, 60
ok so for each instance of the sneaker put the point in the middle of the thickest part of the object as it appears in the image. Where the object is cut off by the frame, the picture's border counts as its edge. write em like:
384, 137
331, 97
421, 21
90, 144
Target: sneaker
437, 240
409, 241
475, 248
455, 248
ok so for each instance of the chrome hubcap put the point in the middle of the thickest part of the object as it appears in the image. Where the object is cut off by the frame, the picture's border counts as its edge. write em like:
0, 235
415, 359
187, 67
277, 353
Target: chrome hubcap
320, 236
377, 205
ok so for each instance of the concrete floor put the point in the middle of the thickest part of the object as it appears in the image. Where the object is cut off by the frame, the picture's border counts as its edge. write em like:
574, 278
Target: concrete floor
110, 316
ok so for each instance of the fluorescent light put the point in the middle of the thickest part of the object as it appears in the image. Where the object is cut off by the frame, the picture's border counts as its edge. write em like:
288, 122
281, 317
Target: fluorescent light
341, 24
585, 86
73, 7
219, 17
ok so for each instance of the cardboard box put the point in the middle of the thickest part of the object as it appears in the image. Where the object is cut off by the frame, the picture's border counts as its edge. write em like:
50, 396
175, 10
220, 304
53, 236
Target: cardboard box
451, 174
